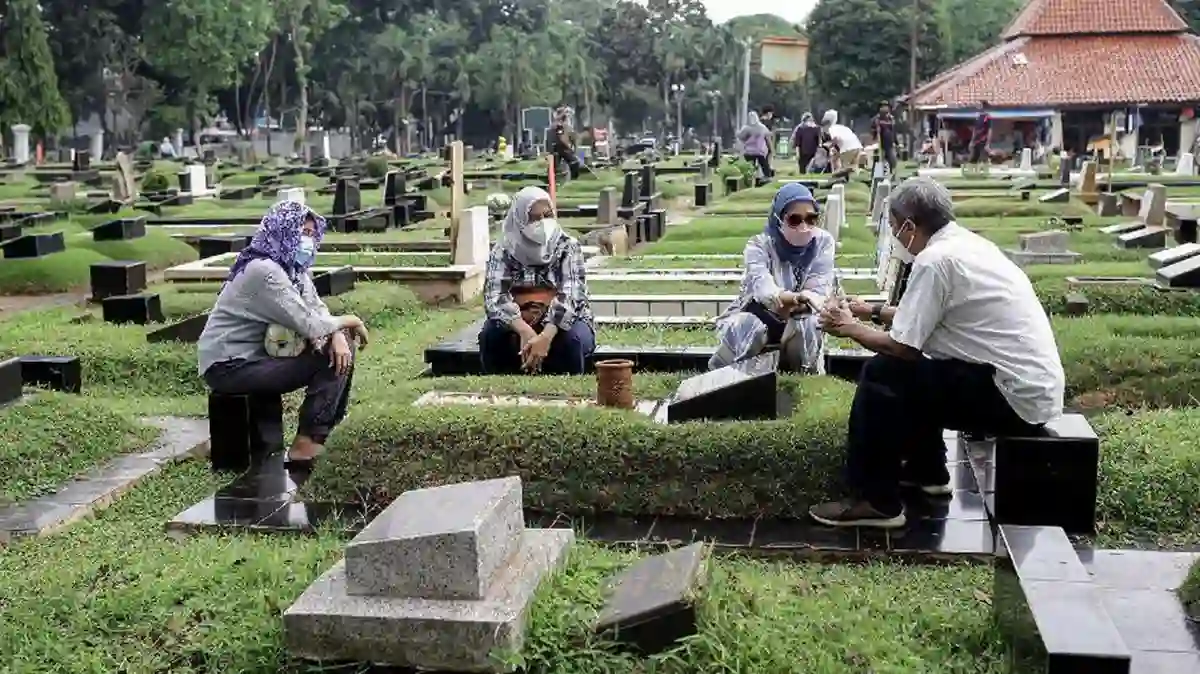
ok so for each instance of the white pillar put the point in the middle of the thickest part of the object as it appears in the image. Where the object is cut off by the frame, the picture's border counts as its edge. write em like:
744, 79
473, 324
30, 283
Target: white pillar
97, 147
834, 215
1186, 165
325, 146
1026, 159
177, 142
21, 143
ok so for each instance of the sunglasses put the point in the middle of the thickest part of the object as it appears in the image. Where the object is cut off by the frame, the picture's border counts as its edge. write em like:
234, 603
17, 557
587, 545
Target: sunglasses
797, 219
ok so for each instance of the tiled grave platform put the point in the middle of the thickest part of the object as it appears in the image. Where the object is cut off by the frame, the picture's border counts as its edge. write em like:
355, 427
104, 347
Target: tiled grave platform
264, 500
80, 497
459, 355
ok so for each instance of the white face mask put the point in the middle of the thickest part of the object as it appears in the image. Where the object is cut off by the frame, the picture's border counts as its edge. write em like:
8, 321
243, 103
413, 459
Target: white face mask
539, 231
900, 250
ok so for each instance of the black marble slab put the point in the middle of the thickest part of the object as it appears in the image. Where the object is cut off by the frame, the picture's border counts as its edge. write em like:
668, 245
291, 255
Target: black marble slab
347, 198
187, 331
732, 184
140, 309
1182, 274
701, 194
11, 380
8, 232
742, 391
34, 246
117, 277
211, 246
1048, 609
1146, 237
120, 230
1059, 196
59, 373
239, 193
1048, 480
244, 429
336, 282
652, 604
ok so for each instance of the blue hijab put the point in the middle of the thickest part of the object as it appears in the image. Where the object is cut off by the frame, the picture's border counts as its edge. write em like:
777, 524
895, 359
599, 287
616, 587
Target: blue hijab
799, 257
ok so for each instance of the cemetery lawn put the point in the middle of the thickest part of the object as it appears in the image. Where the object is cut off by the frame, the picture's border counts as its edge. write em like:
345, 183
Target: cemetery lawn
368, 259
114, 593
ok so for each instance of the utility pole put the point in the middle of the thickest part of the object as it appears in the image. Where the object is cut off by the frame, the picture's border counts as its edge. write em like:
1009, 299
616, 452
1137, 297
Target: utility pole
745, 107
912, 78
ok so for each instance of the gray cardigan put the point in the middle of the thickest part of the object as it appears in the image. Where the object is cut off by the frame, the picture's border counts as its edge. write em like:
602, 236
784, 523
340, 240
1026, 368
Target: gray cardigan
259, 296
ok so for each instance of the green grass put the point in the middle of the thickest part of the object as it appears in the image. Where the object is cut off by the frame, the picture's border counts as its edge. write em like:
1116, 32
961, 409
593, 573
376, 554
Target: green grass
50, 437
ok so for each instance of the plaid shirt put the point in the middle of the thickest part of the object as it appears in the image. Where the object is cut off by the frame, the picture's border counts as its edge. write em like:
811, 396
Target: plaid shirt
566, 273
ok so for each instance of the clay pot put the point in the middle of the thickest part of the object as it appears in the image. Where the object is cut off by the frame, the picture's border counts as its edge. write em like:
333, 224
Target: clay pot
614, 383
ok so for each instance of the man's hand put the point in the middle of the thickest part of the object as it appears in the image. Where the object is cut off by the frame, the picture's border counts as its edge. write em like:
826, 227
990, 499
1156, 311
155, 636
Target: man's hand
859, 308
535, 351
837, 320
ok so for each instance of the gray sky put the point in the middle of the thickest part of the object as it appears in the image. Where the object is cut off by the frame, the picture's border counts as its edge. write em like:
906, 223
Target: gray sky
723, 10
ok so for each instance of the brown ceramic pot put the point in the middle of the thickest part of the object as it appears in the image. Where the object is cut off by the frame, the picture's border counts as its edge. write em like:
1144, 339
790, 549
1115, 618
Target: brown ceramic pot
614, 383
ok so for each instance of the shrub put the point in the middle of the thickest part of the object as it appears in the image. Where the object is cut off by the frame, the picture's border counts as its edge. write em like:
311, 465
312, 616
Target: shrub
1118, 299
1189, 592
155, 181
377, 167
588, 460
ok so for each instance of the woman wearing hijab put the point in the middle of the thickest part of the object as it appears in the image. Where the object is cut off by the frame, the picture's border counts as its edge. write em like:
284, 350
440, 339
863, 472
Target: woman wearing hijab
270, 286
755, 143
788, 276
535, 295
806, 138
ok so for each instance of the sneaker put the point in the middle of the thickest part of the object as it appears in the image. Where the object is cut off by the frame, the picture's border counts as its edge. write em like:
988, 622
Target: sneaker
855, 513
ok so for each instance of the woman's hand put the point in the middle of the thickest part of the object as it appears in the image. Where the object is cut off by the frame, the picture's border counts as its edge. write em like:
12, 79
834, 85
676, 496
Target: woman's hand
535, 351
340, 357
356, 326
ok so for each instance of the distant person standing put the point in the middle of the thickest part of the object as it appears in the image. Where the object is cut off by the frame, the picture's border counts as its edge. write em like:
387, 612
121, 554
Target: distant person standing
883, 130
981, 135
753, 137
806, 138
767, 117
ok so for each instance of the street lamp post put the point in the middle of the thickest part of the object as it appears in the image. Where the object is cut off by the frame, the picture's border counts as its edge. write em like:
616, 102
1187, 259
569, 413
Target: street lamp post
715, 97
677, 90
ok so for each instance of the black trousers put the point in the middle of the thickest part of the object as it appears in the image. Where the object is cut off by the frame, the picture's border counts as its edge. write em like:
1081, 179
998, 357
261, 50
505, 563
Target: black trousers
979, 154
804, 159
900, 411
888, 154
763, 163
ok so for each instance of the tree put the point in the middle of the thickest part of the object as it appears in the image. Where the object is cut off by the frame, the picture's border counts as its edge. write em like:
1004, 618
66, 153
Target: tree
28, 84
303, 21
973, 26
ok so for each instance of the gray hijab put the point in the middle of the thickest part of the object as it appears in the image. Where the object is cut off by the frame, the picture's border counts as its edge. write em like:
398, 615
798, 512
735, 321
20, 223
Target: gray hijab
531, 244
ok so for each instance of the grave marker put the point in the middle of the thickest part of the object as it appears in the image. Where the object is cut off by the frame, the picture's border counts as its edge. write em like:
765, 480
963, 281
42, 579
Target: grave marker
742, 391
834, 216
1048, 247
472, 245
97, 144
57, 373
606, 208
11, 380
187, 331
125, 185
1170, 256
1186, 165
124, 229
1026, 160
34, 245
21, 143
116, 278
291, 194
243, 429
629, 195
1182, 274
63, 193
652, 604
348, 198
458, 200
336, 282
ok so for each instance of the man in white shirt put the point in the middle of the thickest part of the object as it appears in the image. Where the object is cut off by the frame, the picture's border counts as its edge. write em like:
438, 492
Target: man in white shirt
969, 348
849, 147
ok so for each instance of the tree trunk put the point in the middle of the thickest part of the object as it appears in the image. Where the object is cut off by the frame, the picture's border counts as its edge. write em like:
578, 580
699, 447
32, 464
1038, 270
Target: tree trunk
302, 114
399, 117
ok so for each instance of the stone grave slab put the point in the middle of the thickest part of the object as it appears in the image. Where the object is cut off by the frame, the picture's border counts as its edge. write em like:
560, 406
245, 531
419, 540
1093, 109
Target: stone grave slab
701, 194
211, 246
117, 277
1077, 304
466, 533
1106, 206
243, 430
347, 198
467, 546
1122, 228
120, 230
11, 380
1182, 274
1049, 610
651, 605
1048, 247
742, 391
8, 232
1146, 237
186, 331
140, 309
1170, 256
31, 246
58, 373
335, 282
1059, 196
240, 193
1131, 204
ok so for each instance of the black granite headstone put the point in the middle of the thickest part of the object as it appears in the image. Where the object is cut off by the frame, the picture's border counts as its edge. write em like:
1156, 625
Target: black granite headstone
347, 199
1064, 170
715, 160
377, 220
218, 245
1182, 274
1049, 479
238, 193
11, 380
120, 230
34, 245
8, 232
646, 179
185, 181
742, 391
1077, 304
732, 183
83, 161
105, 206
117, 277
142, 309
1146, 237
651, 605
702, 192
186, 331
242, 428
335, 282
59, 373
629, 195
659, 225
396, 185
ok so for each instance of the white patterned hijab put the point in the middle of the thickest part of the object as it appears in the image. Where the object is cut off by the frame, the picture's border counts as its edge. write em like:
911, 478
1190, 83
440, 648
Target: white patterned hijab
531, 243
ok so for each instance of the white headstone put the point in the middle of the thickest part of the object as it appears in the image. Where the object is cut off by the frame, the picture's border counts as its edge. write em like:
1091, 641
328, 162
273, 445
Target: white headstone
199, 179
878, 200
97, 148
883, 246
1027, 159
835, 215
1186, 165
473, 243
177, 142
21, 143
291, 194
325, 146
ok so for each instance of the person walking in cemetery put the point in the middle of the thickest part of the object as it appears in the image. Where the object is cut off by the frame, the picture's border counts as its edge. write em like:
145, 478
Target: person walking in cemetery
969, 348
270, 333
806, 138
846, 146
883, 130
535, 295
754, 138
981, 136
788, 275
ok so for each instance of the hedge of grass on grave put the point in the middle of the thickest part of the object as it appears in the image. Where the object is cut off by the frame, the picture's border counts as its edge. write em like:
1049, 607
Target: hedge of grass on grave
50, 437
70, 269
118, 358
1189, 592
598, 460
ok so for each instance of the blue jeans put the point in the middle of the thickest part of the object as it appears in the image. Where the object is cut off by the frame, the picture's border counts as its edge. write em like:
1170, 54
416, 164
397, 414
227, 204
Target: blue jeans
499, 349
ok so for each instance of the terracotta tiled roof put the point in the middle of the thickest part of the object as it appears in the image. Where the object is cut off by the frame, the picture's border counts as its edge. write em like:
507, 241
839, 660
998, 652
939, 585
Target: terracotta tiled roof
1056, 71
1079, 17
